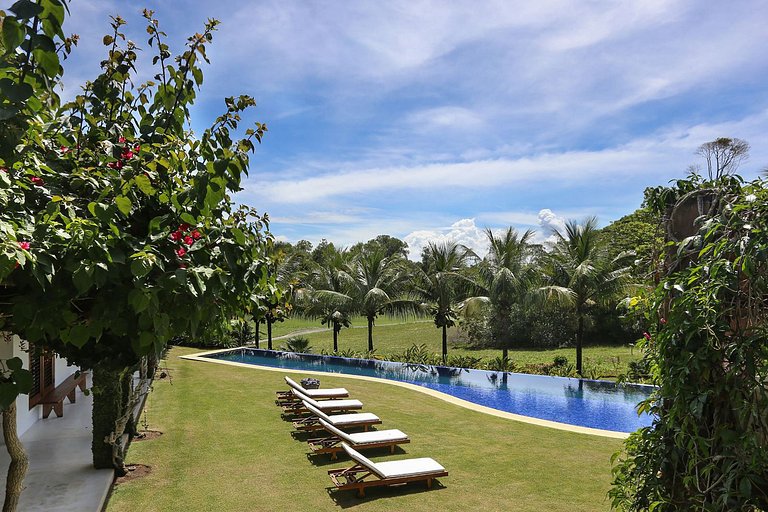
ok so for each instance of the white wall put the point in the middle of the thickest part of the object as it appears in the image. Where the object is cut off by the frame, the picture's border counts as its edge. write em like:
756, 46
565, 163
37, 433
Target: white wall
25, 417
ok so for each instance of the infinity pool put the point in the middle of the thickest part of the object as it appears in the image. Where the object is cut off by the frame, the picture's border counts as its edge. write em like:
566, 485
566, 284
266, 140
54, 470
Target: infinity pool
587, 403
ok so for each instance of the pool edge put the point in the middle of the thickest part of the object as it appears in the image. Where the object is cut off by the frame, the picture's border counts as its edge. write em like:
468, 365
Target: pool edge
201, 356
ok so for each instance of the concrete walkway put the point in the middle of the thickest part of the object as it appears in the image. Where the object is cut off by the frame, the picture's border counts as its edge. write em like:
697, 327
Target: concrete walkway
61, 476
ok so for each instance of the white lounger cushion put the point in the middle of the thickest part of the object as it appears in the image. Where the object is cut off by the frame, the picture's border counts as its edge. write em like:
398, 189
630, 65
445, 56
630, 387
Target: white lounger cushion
396, 468
342, 419
378, 436
317, 393
409, 467
329, 404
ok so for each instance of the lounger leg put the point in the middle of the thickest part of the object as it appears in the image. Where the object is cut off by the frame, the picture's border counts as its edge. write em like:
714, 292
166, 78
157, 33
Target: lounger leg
429, 483
361, 492
392, 449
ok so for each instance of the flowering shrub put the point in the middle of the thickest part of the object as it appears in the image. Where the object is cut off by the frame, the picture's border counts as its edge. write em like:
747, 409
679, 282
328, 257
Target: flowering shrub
117, 228
707, 448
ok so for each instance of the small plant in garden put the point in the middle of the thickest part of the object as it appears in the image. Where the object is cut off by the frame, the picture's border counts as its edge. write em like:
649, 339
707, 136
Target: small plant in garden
500, 364
299, 344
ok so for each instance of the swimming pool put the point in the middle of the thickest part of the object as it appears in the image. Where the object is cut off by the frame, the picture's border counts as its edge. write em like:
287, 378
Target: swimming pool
587, 403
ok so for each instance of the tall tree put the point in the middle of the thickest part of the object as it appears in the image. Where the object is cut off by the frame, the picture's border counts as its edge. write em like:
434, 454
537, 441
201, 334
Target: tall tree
126, 231
439, 281
506, 277
326, 293
580, 274
375, 282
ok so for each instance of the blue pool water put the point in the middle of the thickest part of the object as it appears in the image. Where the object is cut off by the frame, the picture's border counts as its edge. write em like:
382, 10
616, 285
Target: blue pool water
587, 403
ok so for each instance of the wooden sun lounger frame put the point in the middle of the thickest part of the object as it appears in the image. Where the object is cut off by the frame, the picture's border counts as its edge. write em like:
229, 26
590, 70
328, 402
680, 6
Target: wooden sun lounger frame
297, 408
332, 445
311, 423
354, 478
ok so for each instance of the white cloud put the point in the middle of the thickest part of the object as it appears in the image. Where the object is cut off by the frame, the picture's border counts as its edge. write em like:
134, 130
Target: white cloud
463, 231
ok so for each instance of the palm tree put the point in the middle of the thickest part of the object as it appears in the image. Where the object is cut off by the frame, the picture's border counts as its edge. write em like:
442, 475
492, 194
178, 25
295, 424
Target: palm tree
438, 283
506, 277
376, 279
580, 274
325, 294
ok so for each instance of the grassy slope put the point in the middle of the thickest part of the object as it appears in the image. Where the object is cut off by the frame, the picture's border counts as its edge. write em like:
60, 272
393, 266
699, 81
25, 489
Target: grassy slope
390, 337
225, 448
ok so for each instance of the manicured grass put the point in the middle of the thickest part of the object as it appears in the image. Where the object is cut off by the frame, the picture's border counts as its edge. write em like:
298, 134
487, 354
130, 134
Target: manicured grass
225, 448
392, 336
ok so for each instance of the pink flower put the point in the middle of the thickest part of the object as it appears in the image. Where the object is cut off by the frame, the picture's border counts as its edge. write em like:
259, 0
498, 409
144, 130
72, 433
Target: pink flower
196, 235
647, 336
183, 226
176, 236
121, 140
182, 265
115, 165
663, 320
64, 149
37, 181
127, 154
3, 169
136, 148
180, 252
188, 240
24, 245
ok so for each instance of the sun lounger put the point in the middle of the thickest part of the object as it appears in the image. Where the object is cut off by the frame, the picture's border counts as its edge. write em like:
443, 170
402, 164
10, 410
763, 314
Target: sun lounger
368, 474
286, 397
323, 405
376, 439
312, 422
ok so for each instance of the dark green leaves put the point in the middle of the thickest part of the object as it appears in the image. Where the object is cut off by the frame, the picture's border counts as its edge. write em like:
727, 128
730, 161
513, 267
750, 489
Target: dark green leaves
13, 34
26, 9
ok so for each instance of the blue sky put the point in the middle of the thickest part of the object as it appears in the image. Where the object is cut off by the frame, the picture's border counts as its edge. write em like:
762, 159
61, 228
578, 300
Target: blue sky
433, 120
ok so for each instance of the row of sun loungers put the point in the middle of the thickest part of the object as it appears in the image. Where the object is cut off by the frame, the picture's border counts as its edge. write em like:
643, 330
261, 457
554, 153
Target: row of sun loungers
311, 410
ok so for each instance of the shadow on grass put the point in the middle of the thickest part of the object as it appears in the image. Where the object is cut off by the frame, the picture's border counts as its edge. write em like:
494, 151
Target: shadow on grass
349, 499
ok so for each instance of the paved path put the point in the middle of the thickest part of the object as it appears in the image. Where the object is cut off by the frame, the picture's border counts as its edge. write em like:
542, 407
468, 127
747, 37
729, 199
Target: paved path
61, 477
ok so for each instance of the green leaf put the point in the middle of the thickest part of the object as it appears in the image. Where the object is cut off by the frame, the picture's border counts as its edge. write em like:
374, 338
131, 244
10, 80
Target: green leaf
138, 300
14, 364
82, 279
14, 91
23, 380
13, 34
48, 62
26, 9
239, 236
145, 185
141, 267
188, 219
123, 204
78, 335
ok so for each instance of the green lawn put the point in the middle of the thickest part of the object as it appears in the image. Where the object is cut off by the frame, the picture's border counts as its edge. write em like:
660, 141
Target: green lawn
395, 336
225, 448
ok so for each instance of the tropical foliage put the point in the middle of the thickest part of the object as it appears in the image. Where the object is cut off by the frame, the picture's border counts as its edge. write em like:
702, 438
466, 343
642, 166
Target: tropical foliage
118, 230
708, 446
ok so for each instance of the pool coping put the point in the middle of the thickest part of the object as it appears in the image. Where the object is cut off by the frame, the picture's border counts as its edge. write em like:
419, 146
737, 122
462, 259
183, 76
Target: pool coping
202, 356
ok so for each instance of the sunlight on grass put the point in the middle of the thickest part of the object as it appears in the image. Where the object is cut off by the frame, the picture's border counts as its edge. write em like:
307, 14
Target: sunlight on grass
225, 448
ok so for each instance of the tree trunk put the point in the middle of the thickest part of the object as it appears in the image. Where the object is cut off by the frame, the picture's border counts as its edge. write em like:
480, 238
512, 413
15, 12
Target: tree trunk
579, 338
335, 338
269, 333
257, 334
505, 352
445, 344
107, 409
17, 470
370, 334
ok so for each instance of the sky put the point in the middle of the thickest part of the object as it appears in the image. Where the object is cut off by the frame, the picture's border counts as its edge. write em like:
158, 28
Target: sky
433, 120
